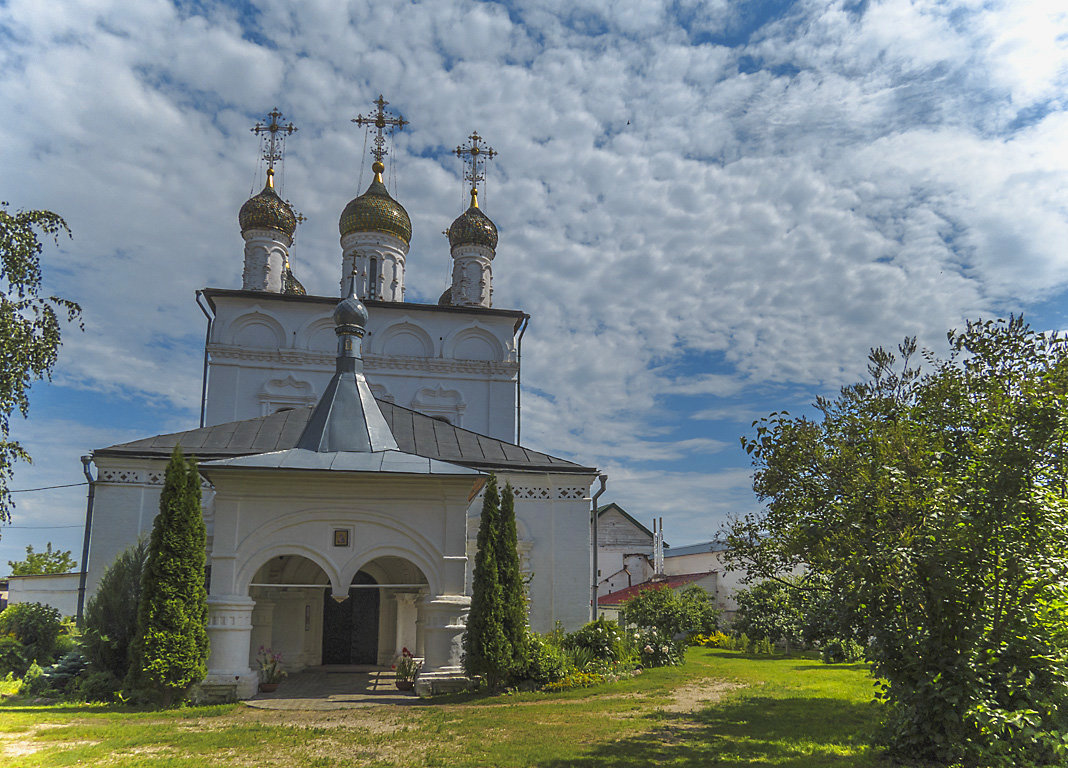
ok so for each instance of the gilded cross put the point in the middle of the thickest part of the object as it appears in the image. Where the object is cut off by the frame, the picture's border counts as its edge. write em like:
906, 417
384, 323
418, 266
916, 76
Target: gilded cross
383, 122
474, 156
273, 134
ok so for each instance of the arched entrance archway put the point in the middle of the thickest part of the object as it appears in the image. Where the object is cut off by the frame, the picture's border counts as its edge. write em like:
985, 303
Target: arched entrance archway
289, 592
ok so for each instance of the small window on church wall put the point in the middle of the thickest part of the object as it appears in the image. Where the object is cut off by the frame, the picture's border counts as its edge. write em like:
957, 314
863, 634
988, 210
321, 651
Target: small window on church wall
372, 279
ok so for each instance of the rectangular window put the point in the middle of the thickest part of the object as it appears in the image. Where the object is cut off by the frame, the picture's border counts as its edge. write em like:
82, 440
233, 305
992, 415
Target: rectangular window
372, 279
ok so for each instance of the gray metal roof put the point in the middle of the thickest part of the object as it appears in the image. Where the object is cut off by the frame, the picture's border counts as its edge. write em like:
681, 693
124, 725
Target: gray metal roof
415, 433
342, 461
696, 549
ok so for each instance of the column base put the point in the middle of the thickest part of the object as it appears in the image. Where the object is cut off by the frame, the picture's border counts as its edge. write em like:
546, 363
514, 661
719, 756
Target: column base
220, 687
442, 680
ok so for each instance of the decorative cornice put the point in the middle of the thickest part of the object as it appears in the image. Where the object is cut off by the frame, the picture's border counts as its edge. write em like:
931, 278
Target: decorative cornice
288, 357
140, 476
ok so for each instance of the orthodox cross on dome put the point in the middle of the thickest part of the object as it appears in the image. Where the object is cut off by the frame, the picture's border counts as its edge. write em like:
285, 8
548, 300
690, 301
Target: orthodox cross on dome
474, 156
273, 135
383, 122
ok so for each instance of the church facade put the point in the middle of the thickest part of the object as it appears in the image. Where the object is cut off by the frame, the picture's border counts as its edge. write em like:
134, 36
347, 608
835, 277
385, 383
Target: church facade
343, 448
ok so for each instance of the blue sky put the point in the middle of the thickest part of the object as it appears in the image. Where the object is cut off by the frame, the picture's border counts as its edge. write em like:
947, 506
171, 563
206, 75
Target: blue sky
712, 210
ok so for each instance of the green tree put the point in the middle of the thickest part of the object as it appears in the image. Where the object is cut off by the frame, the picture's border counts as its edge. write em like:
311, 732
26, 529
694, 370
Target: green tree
513, 589
934, 506
35, 628
487, 650
48, 561
170, 650
673, 613
111, 615
29, 327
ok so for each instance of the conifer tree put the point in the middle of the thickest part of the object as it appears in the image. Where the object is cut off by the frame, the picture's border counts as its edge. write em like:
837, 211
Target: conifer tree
487, 651
171, 649
514, 603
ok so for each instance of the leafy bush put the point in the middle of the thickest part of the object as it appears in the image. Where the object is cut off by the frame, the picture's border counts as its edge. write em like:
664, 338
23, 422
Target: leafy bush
34, 683
575, 680
716, 640
603, 638
62, 675
36, 627
656, 649
673, 613
96, 686
13, 656
839, 651
111, 615
547, 661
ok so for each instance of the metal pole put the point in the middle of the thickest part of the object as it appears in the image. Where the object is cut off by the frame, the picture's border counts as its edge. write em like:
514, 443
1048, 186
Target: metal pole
593, 512
86, 461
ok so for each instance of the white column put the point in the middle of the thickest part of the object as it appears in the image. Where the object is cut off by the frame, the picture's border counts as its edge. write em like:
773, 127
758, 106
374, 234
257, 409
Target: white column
407, 614
230, 634
262, 621
443, 619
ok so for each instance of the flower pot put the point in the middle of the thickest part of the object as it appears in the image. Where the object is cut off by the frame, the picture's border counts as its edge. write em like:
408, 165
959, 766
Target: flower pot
405, 685
268, 687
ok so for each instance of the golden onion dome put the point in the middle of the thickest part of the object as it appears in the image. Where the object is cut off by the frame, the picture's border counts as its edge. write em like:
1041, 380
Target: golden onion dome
473, 227
291, 285
267, 211
376, 211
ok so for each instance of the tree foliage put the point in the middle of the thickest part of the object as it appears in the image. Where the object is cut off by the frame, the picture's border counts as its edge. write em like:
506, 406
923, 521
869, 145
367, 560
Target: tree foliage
691, 611
795, 611
34, 629
513, 590
496, 643
934, 505
170, 649
29, 326
111, 615
49, 561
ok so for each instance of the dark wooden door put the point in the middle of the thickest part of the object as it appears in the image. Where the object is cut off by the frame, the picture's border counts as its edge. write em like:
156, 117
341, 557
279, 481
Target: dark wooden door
350, 628
364, 621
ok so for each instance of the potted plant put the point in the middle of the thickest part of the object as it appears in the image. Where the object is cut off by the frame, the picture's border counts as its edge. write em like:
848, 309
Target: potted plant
407, 667
271, 672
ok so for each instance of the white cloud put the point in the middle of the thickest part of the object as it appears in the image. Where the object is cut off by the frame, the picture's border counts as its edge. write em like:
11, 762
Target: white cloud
845, 179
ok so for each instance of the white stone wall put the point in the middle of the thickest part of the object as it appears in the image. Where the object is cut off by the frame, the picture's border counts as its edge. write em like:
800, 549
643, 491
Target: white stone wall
728, 584
125, 505
59, 590
269, 353
553, 527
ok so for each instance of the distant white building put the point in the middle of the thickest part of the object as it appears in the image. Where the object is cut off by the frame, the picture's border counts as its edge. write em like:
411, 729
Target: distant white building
344, 448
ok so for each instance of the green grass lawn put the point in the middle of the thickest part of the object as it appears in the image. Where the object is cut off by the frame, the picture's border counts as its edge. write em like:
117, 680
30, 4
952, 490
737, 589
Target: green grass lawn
719, 709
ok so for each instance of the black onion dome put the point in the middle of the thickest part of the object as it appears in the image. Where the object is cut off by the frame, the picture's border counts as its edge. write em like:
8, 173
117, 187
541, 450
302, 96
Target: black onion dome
473, 227
267, 211
376, 211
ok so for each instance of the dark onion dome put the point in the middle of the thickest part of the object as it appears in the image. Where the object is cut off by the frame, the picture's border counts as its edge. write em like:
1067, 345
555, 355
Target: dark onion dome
473, 227
445, 299
267, 211
376, 211
291, 285
350, 311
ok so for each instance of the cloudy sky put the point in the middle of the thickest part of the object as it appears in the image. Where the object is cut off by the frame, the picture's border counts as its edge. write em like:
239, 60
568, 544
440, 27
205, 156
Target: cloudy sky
712, 210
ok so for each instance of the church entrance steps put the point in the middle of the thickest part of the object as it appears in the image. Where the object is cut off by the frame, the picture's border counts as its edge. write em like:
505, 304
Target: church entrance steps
334, 687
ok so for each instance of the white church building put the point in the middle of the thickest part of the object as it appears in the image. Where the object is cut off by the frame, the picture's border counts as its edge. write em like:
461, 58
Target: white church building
343, 448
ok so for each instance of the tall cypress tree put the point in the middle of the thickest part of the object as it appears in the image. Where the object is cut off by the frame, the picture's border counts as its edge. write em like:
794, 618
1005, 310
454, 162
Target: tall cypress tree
171, 649
487, 651
514, 602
